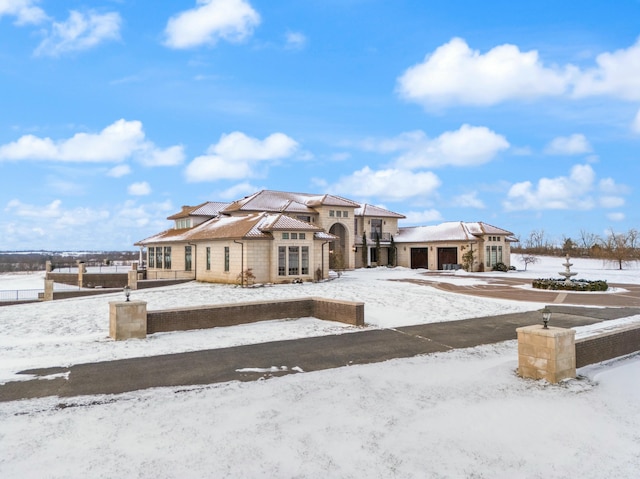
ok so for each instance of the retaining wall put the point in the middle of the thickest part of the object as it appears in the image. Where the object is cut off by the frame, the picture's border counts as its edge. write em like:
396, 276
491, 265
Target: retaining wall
203, 317
609, 345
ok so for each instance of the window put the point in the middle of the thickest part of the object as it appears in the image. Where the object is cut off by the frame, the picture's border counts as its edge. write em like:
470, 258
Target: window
355, 226
167, 257
345, 214
304, 218
159, 257
305, 260
226, 259
285, 235
332, 213
339, 214
302, 236
282, 261
187, 258
294, 259
493, 255
294, 235
208, 258
151, 259
376, 228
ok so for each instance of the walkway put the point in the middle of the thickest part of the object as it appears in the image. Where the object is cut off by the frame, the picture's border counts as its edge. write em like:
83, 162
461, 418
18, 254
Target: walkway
310, 354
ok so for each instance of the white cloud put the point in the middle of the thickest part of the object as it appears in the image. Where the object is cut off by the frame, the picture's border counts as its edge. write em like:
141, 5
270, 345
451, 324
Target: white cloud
295, 40
117, 142
81, 31
468, 200
390, 184
422, 217
616, 216
152, 156
456, 74
572, 192
575, 144
140, 188
616, 74
236, 191
611, 201
56, 217
119, 171
467, 146
238, 156
209, 21
635, 126
25, 11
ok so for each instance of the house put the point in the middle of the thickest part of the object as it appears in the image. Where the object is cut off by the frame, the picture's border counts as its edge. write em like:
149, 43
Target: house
278, 237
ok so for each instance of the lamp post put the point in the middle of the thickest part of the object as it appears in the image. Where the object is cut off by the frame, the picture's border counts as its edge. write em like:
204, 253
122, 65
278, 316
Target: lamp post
546, 316
127, 291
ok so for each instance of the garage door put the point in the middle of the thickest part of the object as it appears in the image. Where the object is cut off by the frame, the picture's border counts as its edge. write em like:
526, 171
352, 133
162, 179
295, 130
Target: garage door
447, 256
419, 258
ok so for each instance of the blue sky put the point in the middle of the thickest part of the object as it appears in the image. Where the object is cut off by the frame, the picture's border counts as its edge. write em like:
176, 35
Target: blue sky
525, 115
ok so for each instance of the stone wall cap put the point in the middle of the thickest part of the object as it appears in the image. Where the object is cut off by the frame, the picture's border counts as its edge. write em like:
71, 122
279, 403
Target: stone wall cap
552, 331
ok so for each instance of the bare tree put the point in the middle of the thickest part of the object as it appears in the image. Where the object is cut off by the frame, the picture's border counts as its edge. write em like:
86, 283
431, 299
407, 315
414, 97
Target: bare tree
528, 259
587, 241
621, 248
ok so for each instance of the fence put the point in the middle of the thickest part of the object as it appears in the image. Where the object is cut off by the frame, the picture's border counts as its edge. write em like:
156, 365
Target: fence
20, 295
169, 274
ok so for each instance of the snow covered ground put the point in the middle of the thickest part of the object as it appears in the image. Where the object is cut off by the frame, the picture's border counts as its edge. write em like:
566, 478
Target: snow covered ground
459, 414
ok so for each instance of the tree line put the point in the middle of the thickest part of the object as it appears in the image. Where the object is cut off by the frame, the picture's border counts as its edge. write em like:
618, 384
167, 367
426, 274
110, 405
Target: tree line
618, 248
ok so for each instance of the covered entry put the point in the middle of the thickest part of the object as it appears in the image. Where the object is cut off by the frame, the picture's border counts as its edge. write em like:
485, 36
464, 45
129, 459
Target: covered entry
338, 252
420, 258
447, 256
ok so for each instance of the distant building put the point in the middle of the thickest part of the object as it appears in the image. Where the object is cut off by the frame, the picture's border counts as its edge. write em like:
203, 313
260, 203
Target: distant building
281, 237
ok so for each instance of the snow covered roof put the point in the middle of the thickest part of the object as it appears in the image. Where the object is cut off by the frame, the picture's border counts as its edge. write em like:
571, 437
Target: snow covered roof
449, 231
252, 226
209, 208
371, 210
286, 202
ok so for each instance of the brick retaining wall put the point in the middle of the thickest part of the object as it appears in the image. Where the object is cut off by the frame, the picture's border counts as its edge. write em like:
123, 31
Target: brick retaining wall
91, 280
204, 317
608, 345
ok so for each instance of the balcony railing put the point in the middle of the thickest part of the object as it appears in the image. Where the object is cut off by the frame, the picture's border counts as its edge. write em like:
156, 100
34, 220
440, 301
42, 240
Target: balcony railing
371, 238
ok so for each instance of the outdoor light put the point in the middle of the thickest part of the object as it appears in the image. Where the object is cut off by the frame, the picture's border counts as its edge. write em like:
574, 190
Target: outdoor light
546, 316
127, 291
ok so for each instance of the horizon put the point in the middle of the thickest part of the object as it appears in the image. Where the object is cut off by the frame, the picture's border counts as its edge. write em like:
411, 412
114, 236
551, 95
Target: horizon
526, 117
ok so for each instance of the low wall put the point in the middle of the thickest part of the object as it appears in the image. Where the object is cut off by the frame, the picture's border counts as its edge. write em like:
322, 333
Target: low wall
157, 283
204, 317
91, 280
84, 292
609, 345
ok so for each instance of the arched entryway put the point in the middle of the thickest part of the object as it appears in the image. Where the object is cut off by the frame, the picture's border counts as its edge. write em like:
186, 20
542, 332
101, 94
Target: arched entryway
338, 251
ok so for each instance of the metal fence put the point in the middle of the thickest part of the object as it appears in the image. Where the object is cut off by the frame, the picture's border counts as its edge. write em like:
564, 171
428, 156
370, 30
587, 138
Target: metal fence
20, 294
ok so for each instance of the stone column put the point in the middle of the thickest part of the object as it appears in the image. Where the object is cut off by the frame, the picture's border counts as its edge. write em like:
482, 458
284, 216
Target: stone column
546, 353
48, 290
127, 319
132, 278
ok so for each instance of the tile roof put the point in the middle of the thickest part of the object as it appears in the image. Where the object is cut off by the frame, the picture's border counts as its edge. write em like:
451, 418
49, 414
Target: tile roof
371, 210
449, 231
252, 226
208, 208
286, 202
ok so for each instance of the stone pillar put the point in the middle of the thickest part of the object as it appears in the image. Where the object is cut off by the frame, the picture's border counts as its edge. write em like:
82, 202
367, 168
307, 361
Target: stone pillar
47, 266
546, 353
48, 290
127, 319
81, 271
132, 278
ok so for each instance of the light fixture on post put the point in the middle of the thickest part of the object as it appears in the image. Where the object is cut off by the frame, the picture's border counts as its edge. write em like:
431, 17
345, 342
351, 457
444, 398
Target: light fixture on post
127, 291
546, 316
